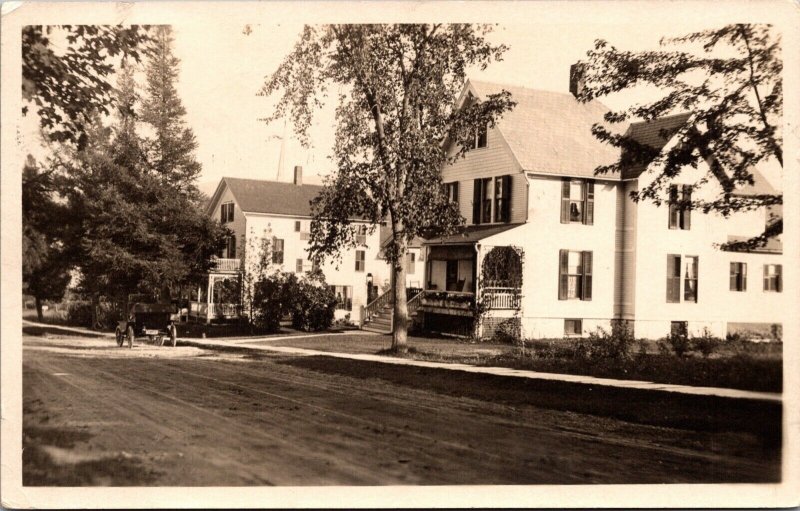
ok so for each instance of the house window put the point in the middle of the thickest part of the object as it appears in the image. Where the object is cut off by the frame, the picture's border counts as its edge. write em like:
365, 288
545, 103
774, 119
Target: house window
772, 277
226, 212
573, 327
411, 263
344, 297
360, 260
687, 272
277, 251
690, 279
229, 251
679, 328
479, 138
738, 280
315, 264
680, 197
298, 266
502, 198
451, 190
361, 235
297, 225
575, 275
577, 201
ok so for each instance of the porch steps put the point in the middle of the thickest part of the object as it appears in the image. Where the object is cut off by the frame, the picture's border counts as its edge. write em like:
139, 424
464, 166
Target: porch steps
381, 322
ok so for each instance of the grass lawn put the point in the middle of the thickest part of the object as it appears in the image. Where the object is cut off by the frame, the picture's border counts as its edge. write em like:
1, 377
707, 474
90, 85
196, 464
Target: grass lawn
755, 367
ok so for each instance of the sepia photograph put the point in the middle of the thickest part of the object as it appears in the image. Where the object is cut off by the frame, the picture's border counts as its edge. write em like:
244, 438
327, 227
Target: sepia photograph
400, 254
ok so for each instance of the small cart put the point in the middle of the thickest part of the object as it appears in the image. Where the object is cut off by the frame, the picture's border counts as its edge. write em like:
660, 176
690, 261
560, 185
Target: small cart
156, 321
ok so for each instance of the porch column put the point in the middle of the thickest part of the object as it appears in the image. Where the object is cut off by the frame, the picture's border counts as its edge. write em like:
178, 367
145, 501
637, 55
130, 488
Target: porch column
209, 298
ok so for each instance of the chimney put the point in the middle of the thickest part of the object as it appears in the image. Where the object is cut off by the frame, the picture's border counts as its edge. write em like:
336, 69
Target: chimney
298, 175
576, 78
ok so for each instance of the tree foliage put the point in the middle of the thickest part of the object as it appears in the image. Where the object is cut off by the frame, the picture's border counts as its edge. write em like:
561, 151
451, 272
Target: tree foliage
729, 80
45, 264
396, 88
65, 71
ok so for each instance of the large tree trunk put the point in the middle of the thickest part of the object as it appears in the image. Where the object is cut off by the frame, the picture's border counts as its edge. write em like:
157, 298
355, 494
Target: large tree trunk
39, 313
400, 317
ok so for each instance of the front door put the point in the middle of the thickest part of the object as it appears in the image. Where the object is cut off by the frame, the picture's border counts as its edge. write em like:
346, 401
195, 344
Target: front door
452, 275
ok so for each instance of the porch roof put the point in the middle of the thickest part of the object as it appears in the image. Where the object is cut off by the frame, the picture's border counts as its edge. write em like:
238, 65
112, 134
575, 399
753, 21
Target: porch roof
472, 234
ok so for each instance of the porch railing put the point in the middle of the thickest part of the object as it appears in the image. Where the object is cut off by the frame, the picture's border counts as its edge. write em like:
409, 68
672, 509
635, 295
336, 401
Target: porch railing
501, 297
414, 303
378, 304
214, 310
222, 264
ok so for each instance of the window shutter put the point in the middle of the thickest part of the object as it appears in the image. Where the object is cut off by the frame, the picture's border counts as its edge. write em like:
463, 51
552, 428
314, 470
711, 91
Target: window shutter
587, 276
687, 210
565, 201
779, 277
455, 192
673, 207
477, 200
744, 276
230, 212
589, 206
223, 213
232, 251
563, 283
673, 278
506, 198
732, 283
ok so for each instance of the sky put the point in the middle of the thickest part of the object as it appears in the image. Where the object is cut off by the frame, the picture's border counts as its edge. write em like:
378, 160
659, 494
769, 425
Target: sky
224, 64
223, 67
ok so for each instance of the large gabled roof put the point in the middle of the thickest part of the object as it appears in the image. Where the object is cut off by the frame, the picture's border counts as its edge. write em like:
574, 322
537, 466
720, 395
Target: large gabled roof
550, 132
268, 197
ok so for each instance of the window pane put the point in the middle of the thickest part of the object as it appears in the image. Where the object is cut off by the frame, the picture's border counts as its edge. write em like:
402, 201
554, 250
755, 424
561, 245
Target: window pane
576, 190
574, 263
575, 211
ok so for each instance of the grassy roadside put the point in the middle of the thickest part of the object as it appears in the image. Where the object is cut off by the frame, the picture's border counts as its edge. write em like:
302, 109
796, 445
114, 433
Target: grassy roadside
757, 368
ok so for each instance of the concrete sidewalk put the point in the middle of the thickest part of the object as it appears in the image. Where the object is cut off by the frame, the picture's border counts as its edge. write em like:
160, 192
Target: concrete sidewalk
499, 371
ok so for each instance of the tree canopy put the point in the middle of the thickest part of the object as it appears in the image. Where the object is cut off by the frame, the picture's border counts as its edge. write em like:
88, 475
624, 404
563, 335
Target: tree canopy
729, 81
65, 71
396, 89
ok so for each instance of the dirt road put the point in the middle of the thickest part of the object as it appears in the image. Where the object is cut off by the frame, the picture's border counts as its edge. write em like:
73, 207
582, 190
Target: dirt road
95, 414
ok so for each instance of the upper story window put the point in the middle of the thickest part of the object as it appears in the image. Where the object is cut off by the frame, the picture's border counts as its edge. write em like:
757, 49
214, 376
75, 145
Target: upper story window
361, 235
680, 211
575, 275
229, 252
491, 201
451, 190
577, 201
738, 277
277, 251
682, 270
479, 138
360, 260
302, 229
226, 212
773, 280
411, 263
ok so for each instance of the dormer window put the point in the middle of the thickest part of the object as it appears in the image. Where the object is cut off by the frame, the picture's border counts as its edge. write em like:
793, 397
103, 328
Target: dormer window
226, 213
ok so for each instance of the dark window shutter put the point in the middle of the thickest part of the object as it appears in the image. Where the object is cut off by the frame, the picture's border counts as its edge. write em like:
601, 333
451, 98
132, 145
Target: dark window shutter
687, 209
230, 212
506, 198
455, 192
779, 277
477, 200
733, 284
587, 275
562, 274
223, 210
589, 206
673, 207
565, 201
673, 278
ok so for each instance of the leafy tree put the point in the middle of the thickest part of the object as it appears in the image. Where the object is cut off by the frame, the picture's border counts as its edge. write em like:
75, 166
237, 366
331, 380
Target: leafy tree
729, 80
396, 105
45, 265
69, 86
256, 265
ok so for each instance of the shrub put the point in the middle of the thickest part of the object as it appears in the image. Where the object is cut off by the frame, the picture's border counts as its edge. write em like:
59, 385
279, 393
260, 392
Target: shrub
508, 331
776, 331
313, 305
676, 343
80, 314
272, 300
705, 344
601, 344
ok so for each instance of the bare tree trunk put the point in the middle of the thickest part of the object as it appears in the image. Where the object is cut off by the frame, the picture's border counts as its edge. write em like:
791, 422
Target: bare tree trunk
400, 317
39, 313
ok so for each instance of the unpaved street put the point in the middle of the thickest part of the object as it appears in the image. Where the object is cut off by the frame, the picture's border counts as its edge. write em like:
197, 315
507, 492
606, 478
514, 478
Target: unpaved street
95, 414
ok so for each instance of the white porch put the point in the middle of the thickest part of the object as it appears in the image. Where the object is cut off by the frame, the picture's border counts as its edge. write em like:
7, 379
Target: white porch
219, 297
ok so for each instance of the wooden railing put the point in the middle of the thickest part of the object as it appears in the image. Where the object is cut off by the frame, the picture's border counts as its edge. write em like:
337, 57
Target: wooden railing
414, 303
214, 310
501, 297
222, 264
378, 304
